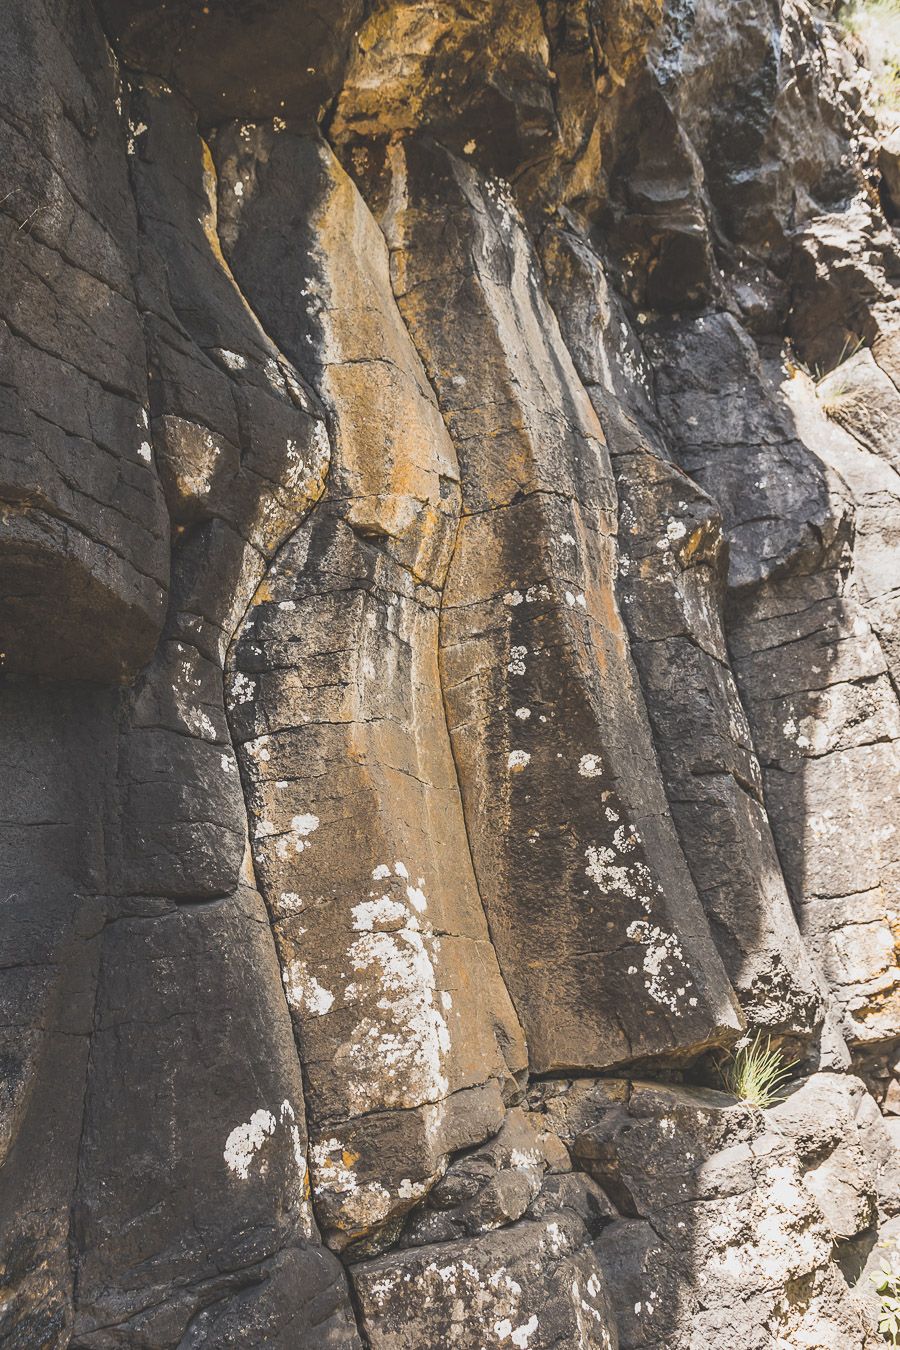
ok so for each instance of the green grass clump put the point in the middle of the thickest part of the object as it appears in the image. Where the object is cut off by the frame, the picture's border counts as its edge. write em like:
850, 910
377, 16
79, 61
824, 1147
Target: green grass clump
756, 1073
887, 1286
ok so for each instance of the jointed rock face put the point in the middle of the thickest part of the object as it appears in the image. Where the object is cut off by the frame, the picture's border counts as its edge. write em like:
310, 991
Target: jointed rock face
450, 629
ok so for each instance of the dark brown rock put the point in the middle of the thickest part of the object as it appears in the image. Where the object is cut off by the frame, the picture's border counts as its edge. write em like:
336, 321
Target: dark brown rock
272, 58
84, 535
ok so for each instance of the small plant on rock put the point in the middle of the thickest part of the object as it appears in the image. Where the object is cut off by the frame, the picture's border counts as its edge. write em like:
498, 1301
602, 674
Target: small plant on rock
756, 1073
887, 1286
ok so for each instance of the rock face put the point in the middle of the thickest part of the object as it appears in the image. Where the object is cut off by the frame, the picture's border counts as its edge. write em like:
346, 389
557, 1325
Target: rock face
449, 657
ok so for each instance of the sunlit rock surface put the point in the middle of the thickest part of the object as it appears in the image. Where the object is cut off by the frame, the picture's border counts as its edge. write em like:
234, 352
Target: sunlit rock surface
449, 640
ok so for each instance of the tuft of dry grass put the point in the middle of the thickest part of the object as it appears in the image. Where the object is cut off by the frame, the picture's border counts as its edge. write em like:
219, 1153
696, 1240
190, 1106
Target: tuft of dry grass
756, 1073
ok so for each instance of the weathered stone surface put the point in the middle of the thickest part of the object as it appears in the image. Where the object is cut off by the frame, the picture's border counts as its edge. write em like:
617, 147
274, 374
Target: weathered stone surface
274, 58
448, 651
410, 1041
722, 1230
528, 603
170, 1189
536, 1284
84, 535
671, 581
493, 1185
812, 673
865, 404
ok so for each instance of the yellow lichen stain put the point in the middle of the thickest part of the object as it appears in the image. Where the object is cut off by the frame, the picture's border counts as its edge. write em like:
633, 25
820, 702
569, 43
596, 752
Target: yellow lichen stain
211, 216
210, 225
348, 1158
696, 541
397, 459
893, 922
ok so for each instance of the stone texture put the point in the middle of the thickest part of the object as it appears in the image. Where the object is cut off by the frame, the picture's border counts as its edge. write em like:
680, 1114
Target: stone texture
813, 675
448, 656
672, 582
728, 1214
409, 1038
536, 1284
273, 59
528, 603
84, 535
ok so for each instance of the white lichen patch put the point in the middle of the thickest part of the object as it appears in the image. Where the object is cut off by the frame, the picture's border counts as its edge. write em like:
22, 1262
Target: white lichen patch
397, 1049
233, 360
590, 766
361, 1204
199, 723
288, 1117
523, 714
295, 839
665, 974
332, 1165
525, 1158
411, 1190
777, 1234
382, 913
518, 1336
321, 443
539, 592
296, 466
517, 760
793, 733
626, 838
516, 665
491, 1307
245, 1141
243, 689
303, 991
135, 129
630, 878
417, 897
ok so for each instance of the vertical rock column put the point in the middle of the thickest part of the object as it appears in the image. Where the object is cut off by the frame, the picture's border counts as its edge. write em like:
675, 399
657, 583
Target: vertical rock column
409, 1042
812, 673
154, 1185
672, 581
592, 910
